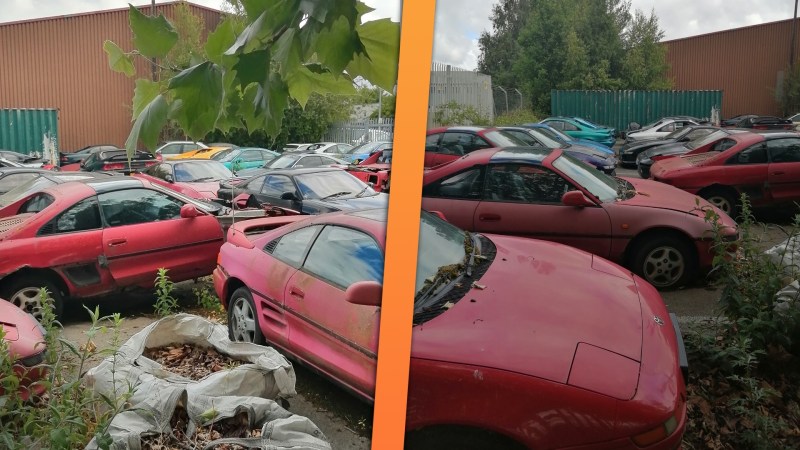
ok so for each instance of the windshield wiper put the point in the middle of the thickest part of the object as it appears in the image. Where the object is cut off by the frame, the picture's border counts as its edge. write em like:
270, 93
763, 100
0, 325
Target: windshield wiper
336, 194
197, 180
362, 191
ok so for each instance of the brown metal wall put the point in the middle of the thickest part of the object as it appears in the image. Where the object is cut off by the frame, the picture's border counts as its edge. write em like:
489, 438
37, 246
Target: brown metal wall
743, 63
59, 63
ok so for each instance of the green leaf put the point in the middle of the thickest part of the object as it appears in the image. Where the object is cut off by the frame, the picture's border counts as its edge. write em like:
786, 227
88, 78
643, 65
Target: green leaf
118, 60
249, 36
287, 52
200, 91
336, 45
303, 82
148, 125
220, 40
143, 94
381, 39
363, 8
252, 67
275, 99
152, 36
316, 9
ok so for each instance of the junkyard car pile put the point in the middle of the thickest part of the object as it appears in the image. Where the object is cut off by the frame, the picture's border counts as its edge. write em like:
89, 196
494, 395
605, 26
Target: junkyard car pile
526, 334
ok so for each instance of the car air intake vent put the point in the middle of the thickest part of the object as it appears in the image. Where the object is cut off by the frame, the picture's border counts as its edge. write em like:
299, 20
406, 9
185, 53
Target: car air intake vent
271, 246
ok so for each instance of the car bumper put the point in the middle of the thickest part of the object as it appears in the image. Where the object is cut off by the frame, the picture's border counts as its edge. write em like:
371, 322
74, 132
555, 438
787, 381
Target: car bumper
220, 281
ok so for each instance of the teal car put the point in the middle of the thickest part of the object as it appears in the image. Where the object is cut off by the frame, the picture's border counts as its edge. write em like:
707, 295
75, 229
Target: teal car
582, 129
242, 158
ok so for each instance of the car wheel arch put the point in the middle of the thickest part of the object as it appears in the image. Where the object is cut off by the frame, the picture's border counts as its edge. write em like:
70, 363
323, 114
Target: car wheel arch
231, 285
659, 232
50, 275
433, 436
724, 190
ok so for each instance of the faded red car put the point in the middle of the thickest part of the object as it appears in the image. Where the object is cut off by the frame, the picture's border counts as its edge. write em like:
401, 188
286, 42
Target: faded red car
198, 179
489, 310
87, 238
375, 169
26, 346
446, 144
657, 231
765, 166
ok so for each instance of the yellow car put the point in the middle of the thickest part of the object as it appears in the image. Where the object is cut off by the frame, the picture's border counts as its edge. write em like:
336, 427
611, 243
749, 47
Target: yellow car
203, 153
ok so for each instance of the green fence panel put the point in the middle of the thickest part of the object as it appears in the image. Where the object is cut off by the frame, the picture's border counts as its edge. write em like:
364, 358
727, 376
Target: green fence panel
24, 130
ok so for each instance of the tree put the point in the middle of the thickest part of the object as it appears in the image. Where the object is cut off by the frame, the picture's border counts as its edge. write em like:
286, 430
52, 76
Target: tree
189, 28
645, 64
253, 69
790, 101
500, 48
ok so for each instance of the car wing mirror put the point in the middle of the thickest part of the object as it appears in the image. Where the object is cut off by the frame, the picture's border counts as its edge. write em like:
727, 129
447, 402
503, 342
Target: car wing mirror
289, 196
240, 202
189, 211
439, 214
169, 179
577, 199
368, 293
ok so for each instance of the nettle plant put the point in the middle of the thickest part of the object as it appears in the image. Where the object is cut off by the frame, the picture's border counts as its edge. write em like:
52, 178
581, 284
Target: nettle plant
280, 51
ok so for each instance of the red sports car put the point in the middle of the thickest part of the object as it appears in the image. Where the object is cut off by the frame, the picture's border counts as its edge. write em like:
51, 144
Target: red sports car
656, 230
375, 169
86, 238
516, 342
198, 179
25, 340
765, 166
443, 145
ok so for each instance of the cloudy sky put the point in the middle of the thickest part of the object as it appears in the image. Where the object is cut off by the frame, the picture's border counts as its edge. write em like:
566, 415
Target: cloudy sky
459, 23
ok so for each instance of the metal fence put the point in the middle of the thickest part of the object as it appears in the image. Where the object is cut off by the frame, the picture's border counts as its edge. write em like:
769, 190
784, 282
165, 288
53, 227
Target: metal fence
464, 87
507, 99
359, 131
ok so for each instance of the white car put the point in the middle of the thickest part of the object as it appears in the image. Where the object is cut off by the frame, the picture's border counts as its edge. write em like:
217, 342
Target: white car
334, 148
174, 148
795, 120
659, 129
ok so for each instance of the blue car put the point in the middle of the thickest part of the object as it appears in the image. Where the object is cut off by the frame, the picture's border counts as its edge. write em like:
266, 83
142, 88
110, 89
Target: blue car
560, 136
242, 158
534, 137
364, 151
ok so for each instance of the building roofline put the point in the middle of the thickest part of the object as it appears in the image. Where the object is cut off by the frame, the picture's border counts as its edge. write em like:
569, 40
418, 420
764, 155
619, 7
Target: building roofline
729, 30
108, 11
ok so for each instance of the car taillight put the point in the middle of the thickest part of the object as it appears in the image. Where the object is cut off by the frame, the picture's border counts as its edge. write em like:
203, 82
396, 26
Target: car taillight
113, 166
150, 163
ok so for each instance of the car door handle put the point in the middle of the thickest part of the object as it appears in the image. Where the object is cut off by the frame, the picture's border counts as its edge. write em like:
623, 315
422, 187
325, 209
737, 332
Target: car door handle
295, 292
117, 242
778, 173
489, 217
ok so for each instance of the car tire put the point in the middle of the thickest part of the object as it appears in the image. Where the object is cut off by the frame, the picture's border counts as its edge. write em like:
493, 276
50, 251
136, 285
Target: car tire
666, 262
722, 199
24, 291
436, 438
243, 323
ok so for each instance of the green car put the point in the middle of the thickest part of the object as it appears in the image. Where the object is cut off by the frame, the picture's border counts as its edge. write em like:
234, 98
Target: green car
582, 129
241, 158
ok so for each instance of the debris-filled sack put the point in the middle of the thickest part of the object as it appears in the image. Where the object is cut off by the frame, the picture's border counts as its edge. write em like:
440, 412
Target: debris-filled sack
787, 255
259, 371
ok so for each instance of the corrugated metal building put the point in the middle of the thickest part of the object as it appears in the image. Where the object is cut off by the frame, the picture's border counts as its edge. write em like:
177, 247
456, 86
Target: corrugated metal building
748, 64
59, 62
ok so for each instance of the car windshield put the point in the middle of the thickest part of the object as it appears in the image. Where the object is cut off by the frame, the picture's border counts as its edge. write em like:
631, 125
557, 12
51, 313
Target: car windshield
197, 171
587, 123
25, 189
719, 134
331, 184
677, 134
442, 252
225, 155
503, 139
602, 186
282, 162
545, 139
554, 134
366, 147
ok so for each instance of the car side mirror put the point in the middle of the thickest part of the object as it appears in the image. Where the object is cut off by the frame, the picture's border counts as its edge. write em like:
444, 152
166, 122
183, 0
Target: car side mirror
168, 178
439, 214
576, 198
289, 196
240, 202
368, 293
189, 211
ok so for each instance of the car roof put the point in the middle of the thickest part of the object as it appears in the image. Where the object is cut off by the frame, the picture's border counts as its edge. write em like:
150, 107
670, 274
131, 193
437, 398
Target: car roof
172, 162
303, 170
534, 155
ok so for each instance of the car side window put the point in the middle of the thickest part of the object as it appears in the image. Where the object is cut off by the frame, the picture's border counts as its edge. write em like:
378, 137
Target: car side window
343, 256
309, 161
697, 134
524, 184
523, 136
784, 150
36, 203
85, 215
171, 149
326, 161
463, 185
723, 145
558, 125
291, 247
134, 206
251, 155
255, 184
755, 154
569, 127
668, 127
432, 142
276, 185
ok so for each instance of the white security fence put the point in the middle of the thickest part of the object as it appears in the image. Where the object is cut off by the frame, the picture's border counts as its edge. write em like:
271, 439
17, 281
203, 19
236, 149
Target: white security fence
465, 87
359, 131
